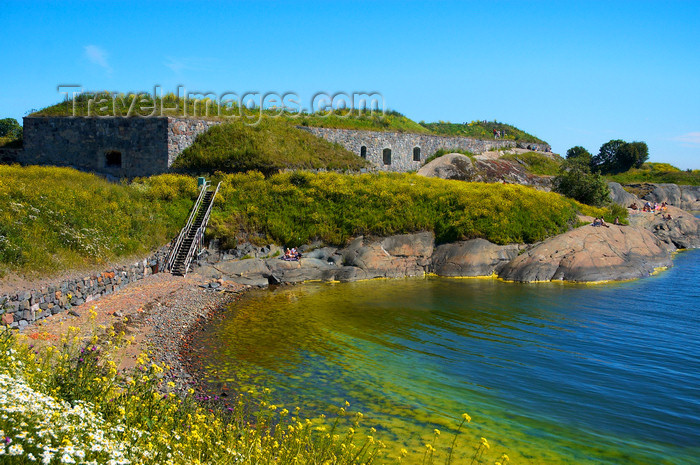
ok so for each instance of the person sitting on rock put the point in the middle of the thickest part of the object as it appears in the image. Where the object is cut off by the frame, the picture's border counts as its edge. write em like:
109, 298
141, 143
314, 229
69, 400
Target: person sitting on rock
634, 206
296, 255
617, 220
597, 221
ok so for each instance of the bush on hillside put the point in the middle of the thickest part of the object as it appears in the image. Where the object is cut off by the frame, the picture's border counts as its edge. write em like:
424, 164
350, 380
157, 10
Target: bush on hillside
577, 182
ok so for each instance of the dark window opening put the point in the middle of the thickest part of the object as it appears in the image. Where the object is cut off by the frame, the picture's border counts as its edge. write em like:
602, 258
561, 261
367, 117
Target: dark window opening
363, 152
387, 156
416, 153
113, 159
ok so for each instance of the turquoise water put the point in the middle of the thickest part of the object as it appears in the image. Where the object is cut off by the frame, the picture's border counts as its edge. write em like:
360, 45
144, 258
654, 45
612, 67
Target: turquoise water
550, 373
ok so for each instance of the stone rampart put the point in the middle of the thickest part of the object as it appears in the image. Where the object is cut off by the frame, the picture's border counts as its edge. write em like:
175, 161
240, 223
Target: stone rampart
182, 132
119, 147
21, 309
398, 151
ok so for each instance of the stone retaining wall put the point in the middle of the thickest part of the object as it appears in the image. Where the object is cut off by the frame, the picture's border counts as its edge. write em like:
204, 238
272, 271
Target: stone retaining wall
408, 151
21, 309
182, 132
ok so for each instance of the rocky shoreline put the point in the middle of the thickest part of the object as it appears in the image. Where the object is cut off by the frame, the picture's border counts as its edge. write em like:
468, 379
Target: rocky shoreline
584, 254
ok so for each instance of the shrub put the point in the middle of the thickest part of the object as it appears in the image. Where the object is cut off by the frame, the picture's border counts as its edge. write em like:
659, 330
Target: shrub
578, 183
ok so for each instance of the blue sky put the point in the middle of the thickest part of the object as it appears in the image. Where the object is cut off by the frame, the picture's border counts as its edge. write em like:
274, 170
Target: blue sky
572, 73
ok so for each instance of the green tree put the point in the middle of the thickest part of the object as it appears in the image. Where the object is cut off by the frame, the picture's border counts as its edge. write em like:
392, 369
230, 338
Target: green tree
580, 155
618, 156
577, 182
9, 127
632, 155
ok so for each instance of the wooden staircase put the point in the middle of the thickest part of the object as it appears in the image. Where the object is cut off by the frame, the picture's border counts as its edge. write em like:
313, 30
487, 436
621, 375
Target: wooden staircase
188, 245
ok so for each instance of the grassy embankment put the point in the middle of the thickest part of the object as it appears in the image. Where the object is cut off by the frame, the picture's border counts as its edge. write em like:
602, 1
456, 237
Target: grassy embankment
123, 105
52, 219
657, 173
268, 147
480, 130
295, 208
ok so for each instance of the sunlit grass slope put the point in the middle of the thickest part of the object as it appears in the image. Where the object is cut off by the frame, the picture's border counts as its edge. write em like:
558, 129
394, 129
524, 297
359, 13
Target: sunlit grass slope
296, 208
52, 219
536, 163
658, 173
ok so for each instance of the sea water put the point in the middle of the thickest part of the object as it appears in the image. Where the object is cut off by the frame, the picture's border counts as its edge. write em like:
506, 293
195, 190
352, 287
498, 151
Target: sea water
548, 372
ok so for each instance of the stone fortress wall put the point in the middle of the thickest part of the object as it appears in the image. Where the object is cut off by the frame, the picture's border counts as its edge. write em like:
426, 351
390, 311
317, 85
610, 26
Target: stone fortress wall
401, 151
130, 147
115, 147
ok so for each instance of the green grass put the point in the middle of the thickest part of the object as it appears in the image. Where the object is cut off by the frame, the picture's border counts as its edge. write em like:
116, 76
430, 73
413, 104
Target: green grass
296, 208
390, 121
480, 130
393, 121
657, 173
268, 147
124, 105
536, 163
54, 219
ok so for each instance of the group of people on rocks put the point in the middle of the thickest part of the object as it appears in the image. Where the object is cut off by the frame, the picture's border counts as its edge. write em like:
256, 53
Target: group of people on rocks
651, 207
498, 134
292, 255
655, 207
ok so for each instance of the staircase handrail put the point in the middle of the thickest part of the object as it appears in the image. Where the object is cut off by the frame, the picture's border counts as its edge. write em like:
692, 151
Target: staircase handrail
173, 250
196, 243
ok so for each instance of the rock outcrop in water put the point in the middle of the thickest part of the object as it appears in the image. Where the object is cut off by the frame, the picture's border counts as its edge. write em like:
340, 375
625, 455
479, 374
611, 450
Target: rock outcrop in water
477, 257
366, 258
590, 254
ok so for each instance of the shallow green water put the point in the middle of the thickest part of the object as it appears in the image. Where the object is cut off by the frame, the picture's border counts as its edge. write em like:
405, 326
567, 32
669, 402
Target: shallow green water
550, 373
